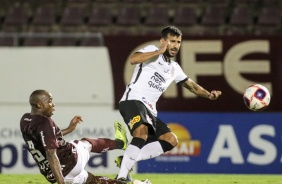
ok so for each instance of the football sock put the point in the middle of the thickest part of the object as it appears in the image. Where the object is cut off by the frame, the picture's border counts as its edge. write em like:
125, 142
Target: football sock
150, 150
104, 144
130, 156
166, 145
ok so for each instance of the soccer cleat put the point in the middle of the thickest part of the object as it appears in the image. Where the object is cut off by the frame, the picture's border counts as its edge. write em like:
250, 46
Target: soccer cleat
118, 161
120, 133
124, 181
146, 181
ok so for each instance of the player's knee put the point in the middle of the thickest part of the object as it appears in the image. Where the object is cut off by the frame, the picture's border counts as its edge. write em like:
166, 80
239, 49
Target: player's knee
170, 138
141, 132
173, 140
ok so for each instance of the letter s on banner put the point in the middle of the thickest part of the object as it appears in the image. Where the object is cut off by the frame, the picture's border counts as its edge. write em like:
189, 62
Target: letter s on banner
256, 140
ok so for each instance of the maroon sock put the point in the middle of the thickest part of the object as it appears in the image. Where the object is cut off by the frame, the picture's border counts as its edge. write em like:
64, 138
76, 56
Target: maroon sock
103, 144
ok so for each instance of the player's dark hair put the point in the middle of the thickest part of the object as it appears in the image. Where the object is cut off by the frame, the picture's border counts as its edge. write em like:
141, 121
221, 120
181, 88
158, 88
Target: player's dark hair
172, 30
34, 97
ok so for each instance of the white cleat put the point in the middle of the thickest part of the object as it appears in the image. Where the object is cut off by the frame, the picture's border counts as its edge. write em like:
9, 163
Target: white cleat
146, 181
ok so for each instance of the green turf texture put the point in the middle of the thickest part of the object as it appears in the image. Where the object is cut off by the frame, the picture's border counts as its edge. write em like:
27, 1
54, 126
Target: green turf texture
163, 179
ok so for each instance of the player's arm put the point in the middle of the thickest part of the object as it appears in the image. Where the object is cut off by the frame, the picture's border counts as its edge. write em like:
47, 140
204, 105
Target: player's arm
199, 90
72, 125
140, 57
55, 165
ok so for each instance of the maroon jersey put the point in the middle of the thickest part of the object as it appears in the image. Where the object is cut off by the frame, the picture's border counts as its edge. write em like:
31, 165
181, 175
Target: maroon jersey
41, 133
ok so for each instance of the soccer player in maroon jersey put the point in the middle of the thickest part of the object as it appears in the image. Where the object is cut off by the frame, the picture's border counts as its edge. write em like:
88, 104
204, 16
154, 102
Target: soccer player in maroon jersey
60, 161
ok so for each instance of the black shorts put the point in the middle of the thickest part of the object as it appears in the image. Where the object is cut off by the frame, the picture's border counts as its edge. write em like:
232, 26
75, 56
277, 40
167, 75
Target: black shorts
135, 113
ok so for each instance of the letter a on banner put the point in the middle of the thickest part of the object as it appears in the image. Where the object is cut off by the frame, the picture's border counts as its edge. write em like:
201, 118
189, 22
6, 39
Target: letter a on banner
226, 146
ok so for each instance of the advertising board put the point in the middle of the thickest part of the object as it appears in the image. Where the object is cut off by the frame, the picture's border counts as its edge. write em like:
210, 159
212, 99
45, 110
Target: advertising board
245, 143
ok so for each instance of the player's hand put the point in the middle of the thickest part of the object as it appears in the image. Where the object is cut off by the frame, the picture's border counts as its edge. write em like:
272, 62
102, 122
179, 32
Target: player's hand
74, 122
164, 44
214, 94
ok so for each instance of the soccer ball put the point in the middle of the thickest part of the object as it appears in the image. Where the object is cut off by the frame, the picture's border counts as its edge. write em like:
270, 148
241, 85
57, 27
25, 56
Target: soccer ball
256, 97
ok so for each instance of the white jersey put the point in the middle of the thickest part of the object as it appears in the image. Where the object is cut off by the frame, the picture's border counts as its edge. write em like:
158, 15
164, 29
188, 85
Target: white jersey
151, 78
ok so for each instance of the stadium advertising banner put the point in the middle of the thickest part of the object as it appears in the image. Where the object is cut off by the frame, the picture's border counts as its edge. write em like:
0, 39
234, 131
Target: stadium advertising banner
229, 64
246, 143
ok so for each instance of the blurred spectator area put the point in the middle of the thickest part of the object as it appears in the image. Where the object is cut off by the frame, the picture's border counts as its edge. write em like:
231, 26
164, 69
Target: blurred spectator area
136, 17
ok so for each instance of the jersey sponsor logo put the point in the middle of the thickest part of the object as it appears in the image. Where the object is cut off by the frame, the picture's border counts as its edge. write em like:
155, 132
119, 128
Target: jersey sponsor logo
134, 120
42, 138
27, 119
154, 85
159, 76
147, 102
156, 82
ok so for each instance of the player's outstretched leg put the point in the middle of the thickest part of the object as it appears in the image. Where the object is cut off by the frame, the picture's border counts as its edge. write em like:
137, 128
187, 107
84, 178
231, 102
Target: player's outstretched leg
118, 161
129, 179
120, 133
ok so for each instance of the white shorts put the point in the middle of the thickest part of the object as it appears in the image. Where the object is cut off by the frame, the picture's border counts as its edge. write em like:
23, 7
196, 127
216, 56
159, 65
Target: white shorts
78, 174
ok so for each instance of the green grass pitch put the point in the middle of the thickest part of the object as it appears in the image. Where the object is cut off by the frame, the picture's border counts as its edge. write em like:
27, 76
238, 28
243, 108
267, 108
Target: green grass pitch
163, 179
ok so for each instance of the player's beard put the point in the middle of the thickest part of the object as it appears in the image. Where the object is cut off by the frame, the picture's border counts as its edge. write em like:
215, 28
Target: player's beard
167, 54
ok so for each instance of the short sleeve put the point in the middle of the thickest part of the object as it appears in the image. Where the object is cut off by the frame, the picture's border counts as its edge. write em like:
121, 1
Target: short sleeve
180, 75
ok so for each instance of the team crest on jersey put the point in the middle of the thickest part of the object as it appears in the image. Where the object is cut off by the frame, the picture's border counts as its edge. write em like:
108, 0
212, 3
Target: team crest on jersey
134, 120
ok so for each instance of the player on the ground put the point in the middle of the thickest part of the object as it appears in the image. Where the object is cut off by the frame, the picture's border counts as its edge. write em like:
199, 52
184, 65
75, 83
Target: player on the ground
153, 73
58, 160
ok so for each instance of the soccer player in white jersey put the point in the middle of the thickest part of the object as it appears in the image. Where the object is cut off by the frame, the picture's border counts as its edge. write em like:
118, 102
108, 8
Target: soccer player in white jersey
153, 73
